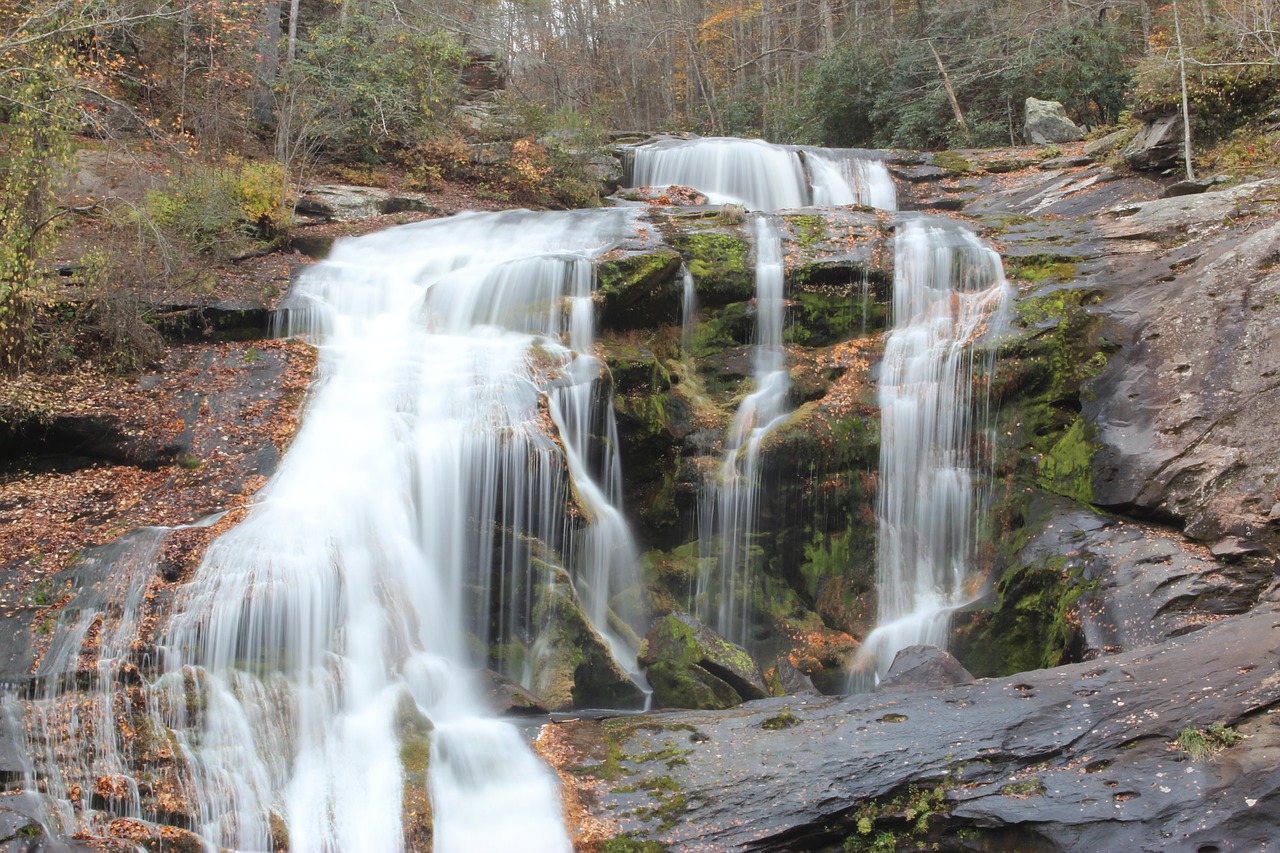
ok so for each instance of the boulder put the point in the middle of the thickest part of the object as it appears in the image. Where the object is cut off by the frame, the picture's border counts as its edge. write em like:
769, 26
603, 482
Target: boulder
924, 668
1193, 186
1157, 145
573, 666
1107, 144
1046, 122
690, 666
343, 203
505, 698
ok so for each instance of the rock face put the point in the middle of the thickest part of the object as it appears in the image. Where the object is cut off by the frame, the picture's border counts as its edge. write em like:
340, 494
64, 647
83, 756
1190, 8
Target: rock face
1046, 122
689, 666
342, 203
1078, 758
1157, 145
923, 668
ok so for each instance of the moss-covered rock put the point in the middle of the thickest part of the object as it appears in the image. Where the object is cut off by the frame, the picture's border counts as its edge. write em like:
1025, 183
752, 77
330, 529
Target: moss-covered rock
573, 666
689, 666
638, 290
720, 264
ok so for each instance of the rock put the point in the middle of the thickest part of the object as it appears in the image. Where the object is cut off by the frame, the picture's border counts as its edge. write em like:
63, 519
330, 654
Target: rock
1167, 218
1099, 736
689, 666
918, 173
1046, 122
1232, 546
638, 289
484, 72
1107, 144
1186, 412
343, 203
791, 679
505, 698
1193, 186
923, 668
1157, 145
606, 171
1073, 162
573, 666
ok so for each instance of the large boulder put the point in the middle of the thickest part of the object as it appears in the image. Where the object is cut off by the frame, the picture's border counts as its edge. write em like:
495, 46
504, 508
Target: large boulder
343, 203
690, 666
1046, 122
1157, 145
924, 668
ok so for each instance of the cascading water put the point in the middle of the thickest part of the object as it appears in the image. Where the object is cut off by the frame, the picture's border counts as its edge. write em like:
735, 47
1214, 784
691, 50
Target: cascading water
765, 177
457, 447
729, 505
949, 290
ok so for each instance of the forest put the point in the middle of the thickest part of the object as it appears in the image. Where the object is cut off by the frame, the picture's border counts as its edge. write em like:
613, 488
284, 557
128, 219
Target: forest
245, 100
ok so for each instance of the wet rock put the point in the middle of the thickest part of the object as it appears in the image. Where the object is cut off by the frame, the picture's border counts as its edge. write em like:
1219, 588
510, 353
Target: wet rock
791, 679
506, 698
923, 668
690, 666
573, 666
1098, 735
1186, 412
1046, 122
1157, 144
638, 289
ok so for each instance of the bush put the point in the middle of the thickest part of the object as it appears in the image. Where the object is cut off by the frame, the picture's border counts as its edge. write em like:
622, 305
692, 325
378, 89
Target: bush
211, 207
369, 85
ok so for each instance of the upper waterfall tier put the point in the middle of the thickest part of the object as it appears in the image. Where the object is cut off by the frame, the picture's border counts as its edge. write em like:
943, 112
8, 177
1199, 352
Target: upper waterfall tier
763, 176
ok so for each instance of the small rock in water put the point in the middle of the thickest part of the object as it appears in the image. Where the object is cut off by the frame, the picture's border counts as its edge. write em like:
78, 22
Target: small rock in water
923, 667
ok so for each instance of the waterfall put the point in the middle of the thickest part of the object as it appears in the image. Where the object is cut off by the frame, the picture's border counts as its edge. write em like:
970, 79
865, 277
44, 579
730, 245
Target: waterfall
457, 453
765, 177
949, 290
729, 504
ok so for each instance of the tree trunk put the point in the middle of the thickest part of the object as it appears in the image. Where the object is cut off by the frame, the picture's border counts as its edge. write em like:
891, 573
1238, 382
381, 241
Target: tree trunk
951, 93
268, 66
293, 31
1186, 108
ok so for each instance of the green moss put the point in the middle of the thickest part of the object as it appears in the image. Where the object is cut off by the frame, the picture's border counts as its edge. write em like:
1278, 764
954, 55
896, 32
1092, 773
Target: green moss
720, 266
954, 163
807, 229
1067, 469
784, 720
1038, 268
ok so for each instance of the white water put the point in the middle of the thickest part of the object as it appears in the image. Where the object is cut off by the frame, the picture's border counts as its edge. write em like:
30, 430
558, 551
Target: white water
762, 176
949, 290
730, 504
458, 445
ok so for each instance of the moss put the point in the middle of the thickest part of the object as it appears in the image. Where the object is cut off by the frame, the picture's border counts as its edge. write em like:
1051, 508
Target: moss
720, 266
638, 290
623, 844
807, 229
784, 720
1067, 469
1023, 789
953, 162
1039, 268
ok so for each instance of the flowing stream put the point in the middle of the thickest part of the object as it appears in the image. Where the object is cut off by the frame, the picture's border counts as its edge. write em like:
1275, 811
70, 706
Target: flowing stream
949, 290
455, 460
728, 511
763, 176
